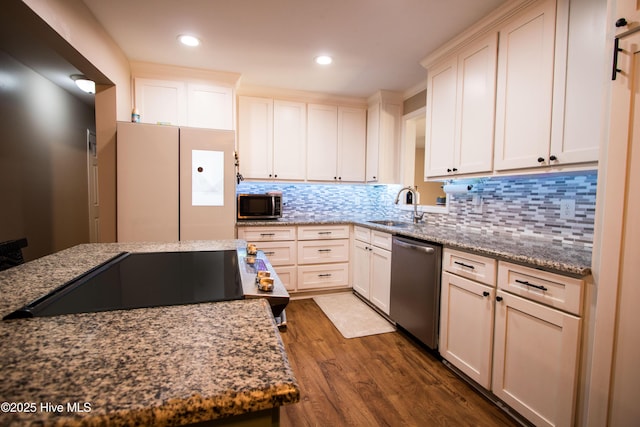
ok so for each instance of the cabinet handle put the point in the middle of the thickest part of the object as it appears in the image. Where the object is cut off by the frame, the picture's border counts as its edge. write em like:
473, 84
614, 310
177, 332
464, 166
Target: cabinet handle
485, 294
616, 50
455, 169
498, 299
324, 250
552, 158
540, 159
335, 177
621, 23
524, 282
324, 275
324, 232
267, 234
464, 265
449, 170
268, 253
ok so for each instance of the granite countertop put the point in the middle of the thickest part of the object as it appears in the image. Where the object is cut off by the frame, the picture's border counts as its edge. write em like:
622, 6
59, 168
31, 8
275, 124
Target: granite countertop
162, 366
539, 252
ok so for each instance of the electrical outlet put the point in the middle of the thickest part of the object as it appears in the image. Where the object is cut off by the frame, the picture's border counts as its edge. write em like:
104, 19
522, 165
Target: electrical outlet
567, 209
477, 204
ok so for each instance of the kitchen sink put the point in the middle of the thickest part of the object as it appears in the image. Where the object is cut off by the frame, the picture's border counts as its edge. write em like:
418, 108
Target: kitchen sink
390, 223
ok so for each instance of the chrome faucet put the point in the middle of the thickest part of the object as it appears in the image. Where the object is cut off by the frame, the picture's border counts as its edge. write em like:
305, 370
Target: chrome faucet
416, 217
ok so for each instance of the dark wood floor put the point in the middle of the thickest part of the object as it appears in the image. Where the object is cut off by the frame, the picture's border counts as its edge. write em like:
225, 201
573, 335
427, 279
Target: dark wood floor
379, 380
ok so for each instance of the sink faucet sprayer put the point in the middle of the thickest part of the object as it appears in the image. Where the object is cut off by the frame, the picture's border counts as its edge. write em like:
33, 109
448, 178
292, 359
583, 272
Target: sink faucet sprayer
416, 217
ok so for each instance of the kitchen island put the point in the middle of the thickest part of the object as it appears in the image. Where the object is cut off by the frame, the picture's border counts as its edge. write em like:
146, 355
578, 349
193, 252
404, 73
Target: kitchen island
173, 365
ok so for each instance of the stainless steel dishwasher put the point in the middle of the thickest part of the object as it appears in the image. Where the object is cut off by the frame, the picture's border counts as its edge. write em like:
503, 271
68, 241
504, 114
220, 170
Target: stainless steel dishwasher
415, 288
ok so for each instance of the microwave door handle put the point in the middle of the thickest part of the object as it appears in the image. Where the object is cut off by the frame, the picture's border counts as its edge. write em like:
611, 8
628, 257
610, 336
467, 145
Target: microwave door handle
273, 206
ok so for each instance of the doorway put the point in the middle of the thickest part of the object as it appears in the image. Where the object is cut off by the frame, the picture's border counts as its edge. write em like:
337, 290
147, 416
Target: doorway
413, 158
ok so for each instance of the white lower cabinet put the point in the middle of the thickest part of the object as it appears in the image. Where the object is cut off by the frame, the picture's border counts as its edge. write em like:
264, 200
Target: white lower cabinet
521, 341
466, 326
279, 245
372, 266
323, 257
535, 359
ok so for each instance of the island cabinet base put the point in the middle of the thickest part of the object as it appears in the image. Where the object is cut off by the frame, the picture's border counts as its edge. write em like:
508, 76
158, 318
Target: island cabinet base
264, 418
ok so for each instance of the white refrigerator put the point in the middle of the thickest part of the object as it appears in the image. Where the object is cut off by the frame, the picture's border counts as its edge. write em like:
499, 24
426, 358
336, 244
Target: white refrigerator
174, 183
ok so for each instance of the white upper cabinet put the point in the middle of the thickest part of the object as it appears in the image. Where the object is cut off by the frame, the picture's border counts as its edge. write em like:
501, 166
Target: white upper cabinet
255, 137
209, 106
546, 74
441, 119
161, 101
322, 142
336, 140
352, 141
460, 111
525, 87
271, 138
384, 117
184, 104
289, 139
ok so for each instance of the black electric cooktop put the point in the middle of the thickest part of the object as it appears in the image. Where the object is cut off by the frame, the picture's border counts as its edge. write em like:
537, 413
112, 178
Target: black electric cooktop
136, 280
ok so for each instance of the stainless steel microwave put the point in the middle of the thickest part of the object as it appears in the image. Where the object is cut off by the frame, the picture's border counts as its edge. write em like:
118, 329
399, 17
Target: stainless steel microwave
259, 206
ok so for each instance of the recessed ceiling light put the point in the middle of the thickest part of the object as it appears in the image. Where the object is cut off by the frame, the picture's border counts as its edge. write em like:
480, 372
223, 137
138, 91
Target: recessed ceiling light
84, 83
189, 40
324, 60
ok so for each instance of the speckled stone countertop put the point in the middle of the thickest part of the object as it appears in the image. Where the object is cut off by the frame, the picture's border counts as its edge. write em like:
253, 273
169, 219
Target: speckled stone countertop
151, 366
535, 251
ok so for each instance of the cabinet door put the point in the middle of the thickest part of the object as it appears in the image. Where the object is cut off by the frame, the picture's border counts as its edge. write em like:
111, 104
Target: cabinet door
209, 106
466, 326
289, 139
255, 137
323, 276
380, 278
160, 101
475, 114
352, 136
373, 142
524, 89
535, 360
361, 268
441, 120
322, 142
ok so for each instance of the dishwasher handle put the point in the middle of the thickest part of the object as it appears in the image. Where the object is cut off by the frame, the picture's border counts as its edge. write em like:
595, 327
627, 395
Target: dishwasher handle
425, 249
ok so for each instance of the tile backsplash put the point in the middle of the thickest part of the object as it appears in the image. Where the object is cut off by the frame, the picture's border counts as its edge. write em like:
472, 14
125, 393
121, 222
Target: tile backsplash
527, 205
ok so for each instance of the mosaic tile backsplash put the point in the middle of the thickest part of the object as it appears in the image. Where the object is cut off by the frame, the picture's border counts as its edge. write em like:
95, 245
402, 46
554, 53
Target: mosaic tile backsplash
528, 205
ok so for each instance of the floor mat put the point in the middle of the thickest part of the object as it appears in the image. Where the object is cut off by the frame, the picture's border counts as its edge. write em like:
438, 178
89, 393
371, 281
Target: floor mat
352, 317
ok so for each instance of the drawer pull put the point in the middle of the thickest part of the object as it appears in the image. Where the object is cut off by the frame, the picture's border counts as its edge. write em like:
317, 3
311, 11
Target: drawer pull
268, 253
464, 265
324, 232
324, 250
524, 282
324, 275
267, 234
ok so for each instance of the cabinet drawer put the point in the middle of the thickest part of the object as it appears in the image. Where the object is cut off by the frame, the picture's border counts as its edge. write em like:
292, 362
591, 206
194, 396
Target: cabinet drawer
261, 234
288, 276
279, 253
361, 233
555, 290
323, 276
316, 232
318, 252
381, 240
476, 267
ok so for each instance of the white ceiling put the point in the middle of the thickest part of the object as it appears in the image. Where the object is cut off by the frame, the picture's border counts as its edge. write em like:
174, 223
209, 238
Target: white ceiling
376, 44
